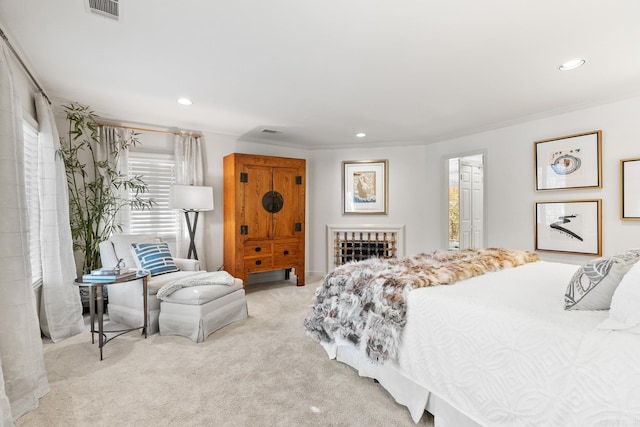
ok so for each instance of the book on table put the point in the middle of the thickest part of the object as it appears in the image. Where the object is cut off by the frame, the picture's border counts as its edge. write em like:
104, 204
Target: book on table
95, 277
107, 272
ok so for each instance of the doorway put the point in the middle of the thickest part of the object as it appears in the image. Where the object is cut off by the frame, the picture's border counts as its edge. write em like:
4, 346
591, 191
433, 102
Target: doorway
465, 208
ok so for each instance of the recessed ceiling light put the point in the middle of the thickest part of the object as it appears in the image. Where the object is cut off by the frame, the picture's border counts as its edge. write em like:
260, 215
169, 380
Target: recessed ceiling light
361, 134
572, 65
184, 101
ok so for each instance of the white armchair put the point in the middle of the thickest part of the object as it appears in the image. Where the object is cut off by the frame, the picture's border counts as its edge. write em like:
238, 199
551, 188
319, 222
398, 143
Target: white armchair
125, 300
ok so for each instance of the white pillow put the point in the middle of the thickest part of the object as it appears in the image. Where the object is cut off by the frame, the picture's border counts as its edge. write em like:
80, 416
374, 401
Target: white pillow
625, 304
122, 246
593, 285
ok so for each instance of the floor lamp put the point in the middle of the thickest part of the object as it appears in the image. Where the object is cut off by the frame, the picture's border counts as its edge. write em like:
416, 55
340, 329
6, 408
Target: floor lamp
191, 199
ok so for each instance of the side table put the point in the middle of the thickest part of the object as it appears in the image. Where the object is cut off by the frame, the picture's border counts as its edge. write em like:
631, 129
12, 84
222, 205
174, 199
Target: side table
96, 295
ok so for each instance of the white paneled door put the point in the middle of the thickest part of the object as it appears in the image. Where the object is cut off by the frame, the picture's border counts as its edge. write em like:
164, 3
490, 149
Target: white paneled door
471, 203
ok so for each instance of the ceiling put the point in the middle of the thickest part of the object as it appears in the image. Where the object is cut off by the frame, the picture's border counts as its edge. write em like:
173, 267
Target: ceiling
318, 72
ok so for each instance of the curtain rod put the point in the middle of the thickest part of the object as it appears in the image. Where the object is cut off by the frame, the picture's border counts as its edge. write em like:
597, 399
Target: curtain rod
149, 130
22, 64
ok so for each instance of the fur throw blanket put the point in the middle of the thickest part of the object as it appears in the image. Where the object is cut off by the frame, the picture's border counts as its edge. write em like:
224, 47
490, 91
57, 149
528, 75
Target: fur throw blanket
365, 302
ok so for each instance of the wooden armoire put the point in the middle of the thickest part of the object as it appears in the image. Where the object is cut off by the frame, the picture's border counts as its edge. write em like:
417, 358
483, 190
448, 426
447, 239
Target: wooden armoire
264, 214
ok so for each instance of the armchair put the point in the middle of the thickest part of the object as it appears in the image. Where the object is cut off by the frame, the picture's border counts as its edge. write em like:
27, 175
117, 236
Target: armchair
125, 304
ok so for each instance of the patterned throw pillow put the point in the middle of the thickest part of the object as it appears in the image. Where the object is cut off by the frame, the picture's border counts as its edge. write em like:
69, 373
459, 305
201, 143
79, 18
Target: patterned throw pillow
154, 257
593, 285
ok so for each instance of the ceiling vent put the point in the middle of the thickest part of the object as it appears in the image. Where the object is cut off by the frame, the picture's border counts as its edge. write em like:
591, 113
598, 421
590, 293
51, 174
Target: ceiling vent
271, 131
108, 8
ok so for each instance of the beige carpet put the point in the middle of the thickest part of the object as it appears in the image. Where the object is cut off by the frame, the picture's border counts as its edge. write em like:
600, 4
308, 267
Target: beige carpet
263, 371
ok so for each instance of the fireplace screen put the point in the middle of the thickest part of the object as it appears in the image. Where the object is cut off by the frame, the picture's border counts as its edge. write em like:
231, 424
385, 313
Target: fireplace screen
356, 246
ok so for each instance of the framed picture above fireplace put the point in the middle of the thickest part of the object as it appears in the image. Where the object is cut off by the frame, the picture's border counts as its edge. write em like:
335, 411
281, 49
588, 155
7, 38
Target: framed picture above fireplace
365, 187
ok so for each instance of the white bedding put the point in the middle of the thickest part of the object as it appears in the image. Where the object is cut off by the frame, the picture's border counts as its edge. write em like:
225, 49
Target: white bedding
502, 350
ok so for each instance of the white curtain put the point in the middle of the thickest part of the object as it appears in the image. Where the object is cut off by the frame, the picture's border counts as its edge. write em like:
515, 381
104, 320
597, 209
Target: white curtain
189, 171
22, 372
60, 306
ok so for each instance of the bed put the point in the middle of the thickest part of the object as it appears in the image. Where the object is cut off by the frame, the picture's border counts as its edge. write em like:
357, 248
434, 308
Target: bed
495, 349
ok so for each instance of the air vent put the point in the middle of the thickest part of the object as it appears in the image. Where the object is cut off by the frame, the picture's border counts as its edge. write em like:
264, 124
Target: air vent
271, 131
107, 8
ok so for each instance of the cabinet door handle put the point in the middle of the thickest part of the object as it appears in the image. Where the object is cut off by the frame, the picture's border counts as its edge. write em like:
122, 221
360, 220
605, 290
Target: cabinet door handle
286, 252
258, 249
258, 262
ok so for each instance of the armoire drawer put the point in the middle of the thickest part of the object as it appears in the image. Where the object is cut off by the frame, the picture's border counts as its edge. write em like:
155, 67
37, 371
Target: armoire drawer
263, 263
257, 248
285, 254
289, 249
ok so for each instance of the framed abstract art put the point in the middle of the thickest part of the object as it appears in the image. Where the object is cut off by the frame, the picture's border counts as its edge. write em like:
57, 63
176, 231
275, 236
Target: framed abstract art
569, 162
569, 226
629, 194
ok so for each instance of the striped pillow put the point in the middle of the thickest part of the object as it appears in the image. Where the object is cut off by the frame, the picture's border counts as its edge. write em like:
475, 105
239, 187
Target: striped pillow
154, 257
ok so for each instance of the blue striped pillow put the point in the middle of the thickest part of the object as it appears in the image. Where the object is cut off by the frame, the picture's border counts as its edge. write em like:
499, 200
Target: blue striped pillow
155, 257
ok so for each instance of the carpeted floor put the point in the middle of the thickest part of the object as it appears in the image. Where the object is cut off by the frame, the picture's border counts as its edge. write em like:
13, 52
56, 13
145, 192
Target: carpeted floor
263, 371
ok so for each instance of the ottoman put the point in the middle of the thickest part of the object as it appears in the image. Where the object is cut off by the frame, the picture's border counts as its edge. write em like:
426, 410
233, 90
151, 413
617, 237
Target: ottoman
197, 311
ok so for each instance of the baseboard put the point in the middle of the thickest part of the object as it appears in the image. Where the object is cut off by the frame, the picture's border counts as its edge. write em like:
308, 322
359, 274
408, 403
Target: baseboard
315, 274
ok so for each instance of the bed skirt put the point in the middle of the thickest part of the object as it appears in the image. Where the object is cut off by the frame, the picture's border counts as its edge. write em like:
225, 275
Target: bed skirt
405, 391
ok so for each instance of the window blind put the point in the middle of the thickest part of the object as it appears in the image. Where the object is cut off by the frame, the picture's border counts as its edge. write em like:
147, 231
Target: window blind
31, 177
158, 172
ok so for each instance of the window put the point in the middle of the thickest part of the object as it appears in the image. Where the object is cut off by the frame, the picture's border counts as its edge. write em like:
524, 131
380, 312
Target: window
158, 172
31, 174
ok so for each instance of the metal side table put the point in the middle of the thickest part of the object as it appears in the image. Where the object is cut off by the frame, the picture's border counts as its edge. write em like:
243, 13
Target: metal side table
96, 297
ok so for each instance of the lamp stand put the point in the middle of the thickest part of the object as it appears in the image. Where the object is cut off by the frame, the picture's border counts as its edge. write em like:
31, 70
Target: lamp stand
192, 232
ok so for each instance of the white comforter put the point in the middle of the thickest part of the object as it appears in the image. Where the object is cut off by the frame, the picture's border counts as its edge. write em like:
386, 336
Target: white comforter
502, 350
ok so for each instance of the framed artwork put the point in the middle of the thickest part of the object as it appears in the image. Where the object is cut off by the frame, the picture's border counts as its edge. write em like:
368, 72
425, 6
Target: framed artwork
569, 162
569, 226
629, 194
365, 187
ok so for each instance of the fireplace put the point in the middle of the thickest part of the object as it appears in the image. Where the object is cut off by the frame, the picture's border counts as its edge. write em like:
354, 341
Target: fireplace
346, 243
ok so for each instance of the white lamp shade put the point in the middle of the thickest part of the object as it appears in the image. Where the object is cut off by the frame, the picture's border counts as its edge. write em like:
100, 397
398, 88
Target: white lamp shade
191, 198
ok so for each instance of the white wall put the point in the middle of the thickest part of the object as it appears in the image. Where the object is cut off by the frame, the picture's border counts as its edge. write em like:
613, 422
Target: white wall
215, 147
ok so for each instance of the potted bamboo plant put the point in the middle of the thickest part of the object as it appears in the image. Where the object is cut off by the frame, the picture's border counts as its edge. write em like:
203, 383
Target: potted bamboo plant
97, 189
